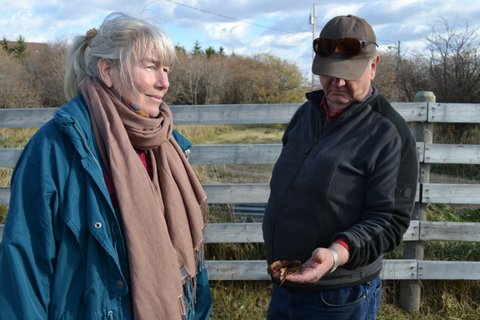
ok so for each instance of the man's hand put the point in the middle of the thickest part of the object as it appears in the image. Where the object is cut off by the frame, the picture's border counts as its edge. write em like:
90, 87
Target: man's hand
319, 264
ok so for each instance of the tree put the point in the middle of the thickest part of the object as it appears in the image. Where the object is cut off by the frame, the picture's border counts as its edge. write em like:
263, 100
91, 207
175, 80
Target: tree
46, 73
180, 49
263, 79
15, 88
454, 71
215, 78
210, 51
19, 50
455, 64
386, 77
196, 79
197, 48
4, 44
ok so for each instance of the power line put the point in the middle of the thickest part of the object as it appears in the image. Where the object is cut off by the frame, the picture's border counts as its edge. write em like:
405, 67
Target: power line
227, 17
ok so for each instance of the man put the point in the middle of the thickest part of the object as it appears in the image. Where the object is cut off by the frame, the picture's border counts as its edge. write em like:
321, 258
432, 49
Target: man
343, 188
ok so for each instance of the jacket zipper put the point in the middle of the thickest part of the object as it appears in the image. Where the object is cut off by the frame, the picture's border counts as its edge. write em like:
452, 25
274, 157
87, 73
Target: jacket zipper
280, 208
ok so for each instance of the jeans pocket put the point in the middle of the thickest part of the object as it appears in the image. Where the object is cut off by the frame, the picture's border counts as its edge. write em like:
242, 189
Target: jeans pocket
377, 297
343, 297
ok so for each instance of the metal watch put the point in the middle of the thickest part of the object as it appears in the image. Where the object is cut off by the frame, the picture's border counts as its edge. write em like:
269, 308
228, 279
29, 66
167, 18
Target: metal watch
336, 259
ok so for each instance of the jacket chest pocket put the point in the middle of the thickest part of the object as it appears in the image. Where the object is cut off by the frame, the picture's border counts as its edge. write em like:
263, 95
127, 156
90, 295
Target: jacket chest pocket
321, 166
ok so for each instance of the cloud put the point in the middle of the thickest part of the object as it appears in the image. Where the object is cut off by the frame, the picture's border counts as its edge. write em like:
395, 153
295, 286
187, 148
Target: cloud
246, 27
17, 5
231, 34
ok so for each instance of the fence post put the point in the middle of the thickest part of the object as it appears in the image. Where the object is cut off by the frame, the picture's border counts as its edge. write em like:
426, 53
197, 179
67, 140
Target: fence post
410, 290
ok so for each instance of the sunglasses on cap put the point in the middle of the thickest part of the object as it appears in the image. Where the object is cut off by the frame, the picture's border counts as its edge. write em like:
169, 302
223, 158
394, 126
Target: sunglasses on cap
344, 47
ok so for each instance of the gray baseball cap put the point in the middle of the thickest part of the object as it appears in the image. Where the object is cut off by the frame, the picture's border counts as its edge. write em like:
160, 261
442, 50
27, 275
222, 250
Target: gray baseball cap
337, 64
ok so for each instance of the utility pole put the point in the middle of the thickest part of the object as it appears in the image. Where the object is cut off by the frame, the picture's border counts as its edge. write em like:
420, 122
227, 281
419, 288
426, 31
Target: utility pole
398, 57
398, 54
313, 22
398, 66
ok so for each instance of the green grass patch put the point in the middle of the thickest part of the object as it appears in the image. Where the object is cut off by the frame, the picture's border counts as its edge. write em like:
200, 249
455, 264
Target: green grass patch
445, 212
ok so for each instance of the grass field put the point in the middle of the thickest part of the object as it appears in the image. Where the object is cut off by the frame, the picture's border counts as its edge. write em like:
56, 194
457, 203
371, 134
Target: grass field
248, 300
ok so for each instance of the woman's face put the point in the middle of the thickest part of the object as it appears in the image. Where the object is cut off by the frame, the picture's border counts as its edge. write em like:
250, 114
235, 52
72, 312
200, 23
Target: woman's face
150, 79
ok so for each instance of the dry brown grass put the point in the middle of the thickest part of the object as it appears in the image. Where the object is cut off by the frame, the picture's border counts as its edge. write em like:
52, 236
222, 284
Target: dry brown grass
220, 134
248, 300
15, 89
15, 138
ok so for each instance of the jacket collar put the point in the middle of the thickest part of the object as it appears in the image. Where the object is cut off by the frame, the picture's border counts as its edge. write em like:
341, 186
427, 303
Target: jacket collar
73, 119
315, 98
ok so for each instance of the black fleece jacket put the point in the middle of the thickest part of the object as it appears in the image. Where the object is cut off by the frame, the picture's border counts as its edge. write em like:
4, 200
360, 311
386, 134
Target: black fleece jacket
354, 178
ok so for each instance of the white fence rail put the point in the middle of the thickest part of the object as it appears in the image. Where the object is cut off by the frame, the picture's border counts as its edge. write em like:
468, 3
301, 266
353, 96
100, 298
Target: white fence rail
420, 114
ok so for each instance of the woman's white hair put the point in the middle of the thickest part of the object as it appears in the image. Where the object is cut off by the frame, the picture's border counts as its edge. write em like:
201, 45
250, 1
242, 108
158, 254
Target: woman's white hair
122, 39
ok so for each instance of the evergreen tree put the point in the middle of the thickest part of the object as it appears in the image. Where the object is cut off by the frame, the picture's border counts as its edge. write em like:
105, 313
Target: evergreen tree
4, 44
210, 51
20, 49
197, 48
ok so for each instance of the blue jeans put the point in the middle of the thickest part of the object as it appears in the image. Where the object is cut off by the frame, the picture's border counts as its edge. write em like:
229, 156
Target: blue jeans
360, 302
203, 300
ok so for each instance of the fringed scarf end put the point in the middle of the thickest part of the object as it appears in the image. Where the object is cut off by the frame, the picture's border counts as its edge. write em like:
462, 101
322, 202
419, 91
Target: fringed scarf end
183, 309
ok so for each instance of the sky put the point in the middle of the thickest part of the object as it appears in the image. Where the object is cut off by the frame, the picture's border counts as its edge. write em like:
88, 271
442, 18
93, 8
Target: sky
245, 27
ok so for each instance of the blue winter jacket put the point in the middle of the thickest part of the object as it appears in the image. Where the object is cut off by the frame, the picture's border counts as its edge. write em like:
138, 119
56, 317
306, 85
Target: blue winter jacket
63, 254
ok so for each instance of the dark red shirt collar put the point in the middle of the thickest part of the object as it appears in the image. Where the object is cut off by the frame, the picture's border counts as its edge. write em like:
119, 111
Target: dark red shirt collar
329, 116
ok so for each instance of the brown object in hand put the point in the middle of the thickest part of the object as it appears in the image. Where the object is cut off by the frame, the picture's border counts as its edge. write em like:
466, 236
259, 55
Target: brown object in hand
285, 268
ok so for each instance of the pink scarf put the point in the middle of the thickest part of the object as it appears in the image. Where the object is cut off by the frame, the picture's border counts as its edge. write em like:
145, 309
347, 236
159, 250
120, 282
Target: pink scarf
162, 216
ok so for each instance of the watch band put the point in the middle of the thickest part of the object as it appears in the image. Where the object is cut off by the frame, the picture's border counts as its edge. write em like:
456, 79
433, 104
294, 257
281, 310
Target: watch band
336, 259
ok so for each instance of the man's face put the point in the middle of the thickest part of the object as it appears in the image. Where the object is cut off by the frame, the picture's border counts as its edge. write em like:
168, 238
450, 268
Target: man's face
340, 93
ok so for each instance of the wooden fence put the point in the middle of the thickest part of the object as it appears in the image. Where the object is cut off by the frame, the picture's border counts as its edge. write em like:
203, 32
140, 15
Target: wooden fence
422, 114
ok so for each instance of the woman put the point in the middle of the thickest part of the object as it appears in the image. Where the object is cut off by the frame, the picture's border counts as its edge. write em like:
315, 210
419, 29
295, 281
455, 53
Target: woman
106, 215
